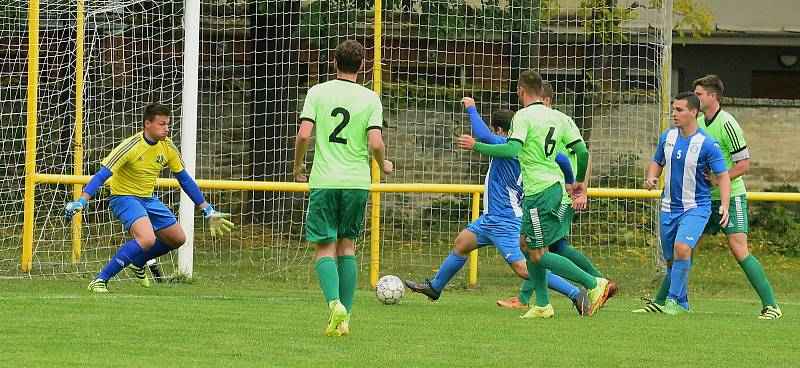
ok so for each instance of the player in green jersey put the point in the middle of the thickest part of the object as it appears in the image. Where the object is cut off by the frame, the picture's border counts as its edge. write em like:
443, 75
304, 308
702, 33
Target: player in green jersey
566, 214
726, 130
535, 132
348, 119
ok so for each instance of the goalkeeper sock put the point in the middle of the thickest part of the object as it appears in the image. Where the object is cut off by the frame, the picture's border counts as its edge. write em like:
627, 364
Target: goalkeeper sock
562, 286
450, 266
538, 276
679, 278
348, 275
157, 250
663, 289
565, 268
579, 259
125, 255
755, 273
328, 278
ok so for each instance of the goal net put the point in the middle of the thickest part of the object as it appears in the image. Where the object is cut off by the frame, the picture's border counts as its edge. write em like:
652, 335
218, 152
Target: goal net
256, 61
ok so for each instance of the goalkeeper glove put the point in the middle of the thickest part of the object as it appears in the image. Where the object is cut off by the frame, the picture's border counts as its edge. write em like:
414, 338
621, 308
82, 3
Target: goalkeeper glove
217, 221
74, 207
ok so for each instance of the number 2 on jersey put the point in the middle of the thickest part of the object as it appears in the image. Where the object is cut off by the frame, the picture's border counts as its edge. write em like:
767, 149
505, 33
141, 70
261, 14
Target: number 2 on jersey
334, 138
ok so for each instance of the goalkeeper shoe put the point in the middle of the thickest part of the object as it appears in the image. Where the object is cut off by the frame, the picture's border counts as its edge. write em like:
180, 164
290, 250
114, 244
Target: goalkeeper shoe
582, 302
424, 288
344, 327
539, 312
672, 308
512, 302
98, 286
338, 314
770, 312
141, 275
598, 295
650, 307
612, 290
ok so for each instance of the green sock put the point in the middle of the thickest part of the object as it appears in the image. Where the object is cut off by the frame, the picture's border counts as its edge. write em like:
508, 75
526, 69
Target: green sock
538, 276
348, 275
565, 268
663, 290
328, 278
580, 260
755, 273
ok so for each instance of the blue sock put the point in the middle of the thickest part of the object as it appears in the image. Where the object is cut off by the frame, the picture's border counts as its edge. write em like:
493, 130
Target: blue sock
447, 270
558, 246
562, 286
678, 279
157, 250
125, 255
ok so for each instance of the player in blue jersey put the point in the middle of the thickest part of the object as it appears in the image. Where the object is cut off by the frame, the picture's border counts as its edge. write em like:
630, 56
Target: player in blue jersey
499, 225
685, 154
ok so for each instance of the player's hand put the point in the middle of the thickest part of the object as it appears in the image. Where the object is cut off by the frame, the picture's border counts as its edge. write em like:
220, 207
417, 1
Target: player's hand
568, 188
580, 202
217, 221
74, 207
712, 180
651, 183
723, 210
468, 102
466, 142
578, 189
387, 167
299, 174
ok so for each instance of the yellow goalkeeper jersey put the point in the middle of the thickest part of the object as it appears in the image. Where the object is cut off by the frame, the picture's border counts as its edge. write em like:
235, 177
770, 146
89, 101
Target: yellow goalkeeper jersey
136, 164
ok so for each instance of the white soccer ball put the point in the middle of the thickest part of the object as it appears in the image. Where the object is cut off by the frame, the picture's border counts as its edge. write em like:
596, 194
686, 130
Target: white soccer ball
389, 289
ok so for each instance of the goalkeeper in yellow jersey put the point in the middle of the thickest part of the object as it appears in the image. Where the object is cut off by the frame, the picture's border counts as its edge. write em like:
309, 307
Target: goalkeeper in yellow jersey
133, 167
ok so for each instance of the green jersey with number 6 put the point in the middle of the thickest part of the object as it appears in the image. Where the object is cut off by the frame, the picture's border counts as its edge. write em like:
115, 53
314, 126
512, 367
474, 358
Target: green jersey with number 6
540, 129
726, 130
342, 112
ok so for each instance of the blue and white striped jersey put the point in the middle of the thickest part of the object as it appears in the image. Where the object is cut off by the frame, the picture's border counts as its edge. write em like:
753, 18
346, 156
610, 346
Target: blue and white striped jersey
503, 186
684, 161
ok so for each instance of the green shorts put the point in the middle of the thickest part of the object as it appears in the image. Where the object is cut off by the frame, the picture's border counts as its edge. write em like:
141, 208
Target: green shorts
540, 221
737, 222
334, 214
567, 214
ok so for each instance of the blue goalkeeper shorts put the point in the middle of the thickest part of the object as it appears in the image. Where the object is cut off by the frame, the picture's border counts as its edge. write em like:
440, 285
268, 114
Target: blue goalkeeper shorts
501, 232
685, 227
131, 208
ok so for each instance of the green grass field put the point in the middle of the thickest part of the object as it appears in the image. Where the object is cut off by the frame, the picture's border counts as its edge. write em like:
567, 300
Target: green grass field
46, 323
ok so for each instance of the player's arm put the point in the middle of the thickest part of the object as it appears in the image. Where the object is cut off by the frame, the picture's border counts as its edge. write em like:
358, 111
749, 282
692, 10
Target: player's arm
89, 191
479, 127
566, 168
718, 167
505, 150
738, 150
378, 150
300, 146
656, 166
218, 222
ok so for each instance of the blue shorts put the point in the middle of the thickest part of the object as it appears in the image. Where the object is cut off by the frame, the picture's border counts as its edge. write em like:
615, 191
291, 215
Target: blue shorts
131, 208
501, 232
685, 227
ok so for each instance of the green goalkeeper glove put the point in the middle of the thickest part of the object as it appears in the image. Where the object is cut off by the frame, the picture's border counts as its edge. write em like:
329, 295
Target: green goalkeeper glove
217, 221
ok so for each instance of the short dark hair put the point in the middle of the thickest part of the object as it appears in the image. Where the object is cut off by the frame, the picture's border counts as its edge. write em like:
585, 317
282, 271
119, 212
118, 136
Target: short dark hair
150, 111
547, 90
711, 83
349, 55
531, 80
691, 99
501, 118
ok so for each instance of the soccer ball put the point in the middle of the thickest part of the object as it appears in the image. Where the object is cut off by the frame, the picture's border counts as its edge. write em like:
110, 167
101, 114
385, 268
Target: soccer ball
389, 289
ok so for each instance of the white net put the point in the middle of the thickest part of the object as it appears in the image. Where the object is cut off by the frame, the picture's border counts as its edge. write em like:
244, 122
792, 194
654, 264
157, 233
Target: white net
257, 59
